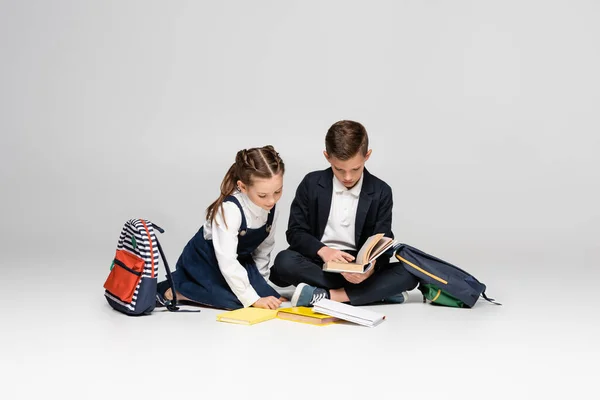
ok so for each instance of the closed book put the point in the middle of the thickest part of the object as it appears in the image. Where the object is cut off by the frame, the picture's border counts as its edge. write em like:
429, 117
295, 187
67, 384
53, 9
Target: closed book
305, 315
348, 312
247, 316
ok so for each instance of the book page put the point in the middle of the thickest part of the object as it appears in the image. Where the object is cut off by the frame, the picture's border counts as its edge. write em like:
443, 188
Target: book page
364, 254
382, 246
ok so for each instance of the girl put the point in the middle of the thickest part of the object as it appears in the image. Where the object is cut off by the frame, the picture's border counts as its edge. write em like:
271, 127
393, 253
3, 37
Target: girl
226, 263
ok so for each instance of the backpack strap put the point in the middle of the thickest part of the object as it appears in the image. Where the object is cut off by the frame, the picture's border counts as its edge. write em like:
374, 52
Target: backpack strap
172, 305
243, 226
270, 219
490, 300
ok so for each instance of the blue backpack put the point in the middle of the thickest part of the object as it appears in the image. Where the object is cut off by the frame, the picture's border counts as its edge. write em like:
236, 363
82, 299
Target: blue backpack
439, 281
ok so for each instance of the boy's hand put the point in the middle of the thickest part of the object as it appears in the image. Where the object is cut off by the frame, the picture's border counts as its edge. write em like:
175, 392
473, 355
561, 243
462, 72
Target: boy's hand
270, 302
328, 254
355, 278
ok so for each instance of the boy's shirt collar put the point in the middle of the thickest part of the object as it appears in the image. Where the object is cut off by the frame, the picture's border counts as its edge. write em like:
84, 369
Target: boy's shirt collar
339, 187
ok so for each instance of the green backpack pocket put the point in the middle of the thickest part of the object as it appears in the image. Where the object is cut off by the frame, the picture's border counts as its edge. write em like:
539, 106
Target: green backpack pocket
438, 296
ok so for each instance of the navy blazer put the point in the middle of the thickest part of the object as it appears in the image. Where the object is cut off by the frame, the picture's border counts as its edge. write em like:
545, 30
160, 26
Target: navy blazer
310, 211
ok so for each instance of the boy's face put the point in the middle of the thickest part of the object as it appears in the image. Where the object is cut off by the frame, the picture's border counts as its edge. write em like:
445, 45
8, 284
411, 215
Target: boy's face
348, 171
263, 192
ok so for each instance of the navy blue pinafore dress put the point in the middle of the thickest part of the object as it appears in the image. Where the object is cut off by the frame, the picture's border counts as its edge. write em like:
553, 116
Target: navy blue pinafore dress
199, 278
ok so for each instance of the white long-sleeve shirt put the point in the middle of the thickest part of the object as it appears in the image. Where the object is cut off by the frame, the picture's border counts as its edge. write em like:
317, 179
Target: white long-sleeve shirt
225, 242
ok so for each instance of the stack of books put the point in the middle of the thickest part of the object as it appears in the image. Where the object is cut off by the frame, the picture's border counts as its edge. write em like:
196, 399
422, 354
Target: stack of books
325, 312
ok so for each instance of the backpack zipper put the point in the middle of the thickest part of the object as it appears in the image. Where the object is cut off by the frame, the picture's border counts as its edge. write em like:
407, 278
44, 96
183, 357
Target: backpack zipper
125, 267
429, 274
150, 242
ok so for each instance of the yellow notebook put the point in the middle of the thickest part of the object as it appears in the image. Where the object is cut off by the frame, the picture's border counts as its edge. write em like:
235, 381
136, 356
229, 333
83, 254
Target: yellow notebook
247, 316
305, 315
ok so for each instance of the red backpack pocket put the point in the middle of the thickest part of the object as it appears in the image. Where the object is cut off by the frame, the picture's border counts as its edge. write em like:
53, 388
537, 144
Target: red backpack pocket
125, 275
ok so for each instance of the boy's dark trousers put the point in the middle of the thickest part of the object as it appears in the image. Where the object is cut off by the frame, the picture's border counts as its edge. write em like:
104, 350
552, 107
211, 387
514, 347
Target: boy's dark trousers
293, 268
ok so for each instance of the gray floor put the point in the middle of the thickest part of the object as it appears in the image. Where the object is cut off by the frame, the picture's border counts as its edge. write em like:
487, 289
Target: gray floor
62, 338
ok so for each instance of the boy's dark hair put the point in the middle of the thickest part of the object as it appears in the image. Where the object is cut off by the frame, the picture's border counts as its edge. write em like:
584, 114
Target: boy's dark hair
345, 139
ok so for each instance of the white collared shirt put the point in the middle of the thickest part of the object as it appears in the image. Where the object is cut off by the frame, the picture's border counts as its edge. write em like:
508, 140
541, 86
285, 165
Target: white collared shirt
339, 231
225, 241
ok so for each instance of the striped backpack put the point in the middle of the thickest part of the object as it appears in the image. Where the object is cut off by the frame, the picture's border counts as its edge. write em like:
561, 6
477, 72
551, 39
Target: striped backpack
131, 284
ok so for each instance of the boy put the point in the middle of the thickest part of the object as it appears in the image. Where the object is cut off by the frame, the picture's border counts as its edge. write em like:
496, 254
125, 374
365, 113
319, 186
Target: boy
332, 215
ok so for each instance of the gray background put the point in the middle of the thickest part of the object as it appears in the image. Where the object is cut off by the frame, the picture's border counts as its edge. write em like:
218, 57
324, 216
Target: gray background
483, 117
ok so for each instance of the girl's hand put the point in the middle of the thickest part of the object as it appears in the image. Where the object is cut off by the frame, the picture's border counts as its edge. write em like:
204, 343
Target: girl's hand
271, 303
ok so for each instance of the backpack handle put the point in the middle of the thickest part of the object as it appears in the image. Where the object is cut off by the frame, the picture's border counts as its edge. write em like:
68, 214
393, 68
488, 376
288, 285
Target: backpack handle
158, 228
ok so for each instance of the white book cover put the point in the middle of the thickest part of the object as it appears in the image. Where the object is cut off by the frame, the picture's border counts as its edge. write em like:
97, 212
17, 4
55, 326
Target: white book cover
348, 312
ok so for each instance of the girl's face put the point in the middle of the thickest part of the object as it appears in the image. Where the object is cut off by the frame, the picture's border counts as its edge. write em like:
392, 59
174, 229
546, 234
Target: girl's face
264, 192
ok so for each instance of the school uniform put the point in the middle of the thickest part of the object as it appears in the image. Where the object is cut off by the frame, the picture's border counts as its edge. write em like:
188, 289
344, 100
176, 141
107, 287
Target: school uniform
227, 266
325, 213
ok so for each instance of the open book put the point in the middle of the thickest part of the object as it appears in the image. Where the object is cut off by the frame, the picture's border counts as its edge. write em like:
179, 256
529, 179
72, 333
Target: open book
375, 246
